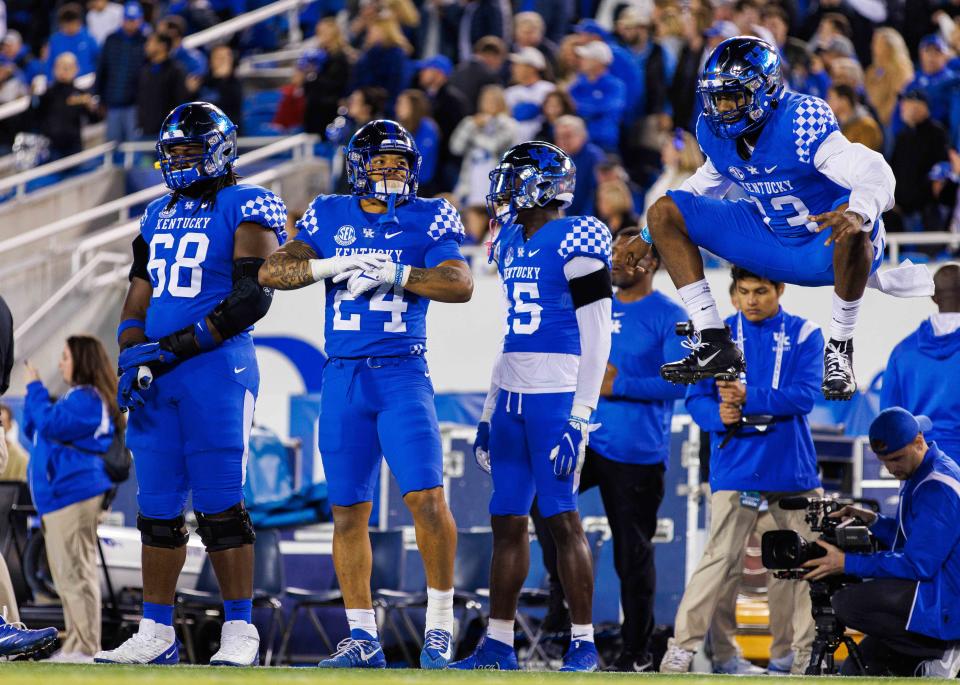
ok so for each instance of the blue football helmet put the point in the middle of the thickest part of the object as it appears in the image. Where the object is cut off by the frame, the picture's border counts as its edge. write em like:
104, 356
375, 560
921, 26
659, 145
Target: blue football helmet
747, 71
382, 137
530, 175
202, 123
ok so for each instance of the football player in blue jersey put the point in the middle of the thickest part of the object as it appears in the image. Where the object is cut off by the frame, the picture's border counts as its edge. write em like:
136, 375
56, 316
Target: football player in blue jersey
546, 382
383, 254
801, 176
186, 322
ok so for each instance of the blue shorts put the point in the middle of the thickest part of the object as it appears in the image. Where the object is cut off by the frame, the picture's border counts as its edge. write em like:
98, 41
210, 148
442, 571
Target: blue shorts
373, 408
524, 429
192, 434
735, 231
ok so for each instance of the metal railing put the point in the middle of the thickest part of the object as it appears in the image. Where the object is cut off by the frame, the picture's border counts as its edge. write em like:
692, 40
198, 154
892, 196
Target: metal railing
895, 241
301, 145
19, 181
131, 149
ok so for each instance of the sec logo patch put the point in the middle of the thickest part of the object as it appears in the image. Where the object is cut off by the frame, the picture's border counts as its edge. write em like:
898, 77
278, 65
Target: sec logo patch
346, 235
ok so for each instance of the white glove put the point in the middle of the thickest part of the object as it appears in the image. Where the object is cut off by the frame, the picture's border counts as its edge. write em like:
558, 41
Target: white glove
373, 275
571, 450
334, 266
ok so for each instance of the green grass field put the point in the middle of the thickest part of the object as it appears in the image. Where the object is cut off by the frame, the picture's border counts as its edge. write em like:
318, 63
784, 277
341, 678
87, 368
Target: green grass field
66, 674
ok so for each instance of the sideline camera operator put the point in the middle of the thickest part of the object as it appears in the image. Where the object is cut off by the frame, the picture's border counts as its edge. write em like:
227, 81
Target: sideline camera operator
910, 612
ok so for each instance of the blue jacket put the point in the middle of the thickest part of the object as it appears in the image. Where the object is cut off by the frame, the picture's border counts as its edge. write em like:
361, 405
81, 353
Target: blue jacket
81, 44
586, 161
601, 104
118, 74
780, 458
59, 474
427, 138
922, 376
924, 540
380, 66
635, 420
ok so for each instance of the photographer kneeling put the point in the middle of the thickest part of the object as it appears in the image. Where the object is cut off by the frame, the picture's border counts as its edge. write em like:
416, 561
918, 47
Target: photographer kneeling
910, 612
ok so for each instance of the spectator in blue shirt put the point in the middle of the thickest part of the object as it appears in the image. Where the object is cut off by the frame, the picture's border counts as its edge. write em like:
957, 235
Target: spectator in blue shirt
556, 15
923, 372
623, 65
68, 479
750, 462
599, 96
570, 135
72, 36
118, 74
384, 60
13, 49
908, 609
413, 113
935, 78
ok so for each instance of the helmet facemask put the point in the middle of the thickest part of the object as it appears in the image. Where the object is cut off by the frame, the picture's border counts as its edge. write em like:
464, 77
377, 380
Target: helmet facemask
180, 171
524, 187
382, 182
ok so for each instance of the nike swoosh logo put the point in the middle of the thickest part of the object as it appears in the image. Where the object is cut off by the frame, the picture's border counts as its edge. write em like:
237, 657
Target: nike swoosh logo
770, 169
704, 362
366, 656
531, 253
242, 368
392, 235
617, 315
169, 655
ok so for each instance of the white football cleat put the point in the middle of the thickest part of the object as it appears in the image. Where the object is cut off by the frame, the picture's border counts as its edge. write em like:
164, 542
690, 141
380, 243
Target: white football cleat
153, 643
239, 645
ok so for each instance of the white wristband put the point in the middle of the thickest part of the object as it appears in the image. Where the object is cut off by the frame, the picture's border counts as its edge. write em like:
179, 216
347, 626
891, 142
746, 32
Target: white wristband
322, 268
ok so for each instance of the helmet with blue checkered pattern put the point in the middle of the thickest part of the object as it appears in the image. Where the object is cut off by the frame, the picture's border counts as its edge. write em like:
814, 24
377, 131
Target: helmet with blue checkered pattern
529, 175
740, 86
197, 141
375, 139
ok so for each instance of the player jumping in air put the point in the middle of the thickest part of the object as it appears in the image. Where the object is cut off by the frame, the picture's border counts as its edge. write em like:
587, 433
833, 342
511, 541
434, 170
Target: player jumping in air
383, 254
546, 382
192, 300
800, 176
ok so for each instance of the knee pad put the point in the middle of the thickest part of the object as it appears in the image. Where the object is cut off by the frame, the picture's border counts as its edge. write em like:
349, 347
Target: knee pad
165, 533
226, 530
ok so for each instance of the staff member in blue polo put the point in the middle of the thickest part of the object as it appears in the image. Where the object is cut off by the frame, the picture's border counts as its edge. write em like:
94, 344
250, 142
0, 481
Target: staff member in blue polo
760, 448
628, 453
910, 611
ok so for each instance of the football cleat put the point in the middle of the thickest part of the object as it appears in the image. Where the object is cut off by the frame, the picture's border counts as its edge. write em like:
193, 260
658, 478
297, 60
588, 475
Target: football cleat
239, 645
582, 657
16, 640
838, 379
490, 655
437, 649
153, 643
713, 355
360, 650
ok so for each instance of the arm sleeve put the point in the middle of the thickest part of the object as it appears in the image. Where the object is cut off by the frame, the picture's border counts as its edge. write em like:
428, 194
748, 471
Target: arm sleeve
799, 390
929, 544
707, 181
71, 418
593, 322
447, 233
704, 406
857, 167
653, 387
490, 402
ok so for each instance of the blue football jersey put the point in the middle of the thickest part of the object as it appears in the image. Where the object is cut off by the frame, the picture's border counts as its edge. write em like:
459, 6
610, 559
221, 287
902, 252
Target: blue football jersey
780, 177
191, 251
386, 321
541, 316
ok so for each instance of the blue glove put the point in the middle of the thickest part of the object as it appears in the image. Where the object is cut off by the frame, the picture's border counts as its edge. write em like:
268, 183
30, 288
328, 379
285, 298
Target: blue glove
571, 449
128, 390
144, 354
481, 446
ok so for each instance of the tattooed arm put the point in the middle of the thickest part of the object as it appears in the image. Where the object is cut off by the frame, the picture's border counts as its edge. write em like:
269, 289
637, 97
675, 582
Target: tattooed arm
289, 267
448, 281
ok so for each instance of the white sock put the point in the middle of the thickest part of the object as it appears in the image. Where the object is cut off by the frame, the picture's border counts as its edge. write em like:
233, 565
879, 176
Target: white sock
844, 318
701, 307
364, 619
580, 631
500, 630
439, 610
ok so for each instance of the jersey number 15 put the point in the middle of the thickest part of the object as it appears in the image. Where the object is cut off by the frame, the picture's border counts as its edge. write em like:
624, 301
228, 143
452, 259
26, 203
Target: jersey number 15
194, 244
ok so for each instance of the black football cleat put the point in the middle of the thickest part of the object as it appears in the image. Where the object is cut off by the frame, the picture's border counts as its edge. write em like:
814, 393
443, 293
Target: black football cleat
838, 380
714, 355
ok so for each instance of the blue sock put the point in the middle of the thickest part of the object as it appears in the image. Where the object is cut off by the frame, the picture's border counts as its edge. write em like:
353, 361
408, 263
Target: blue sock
160, 613
237, 610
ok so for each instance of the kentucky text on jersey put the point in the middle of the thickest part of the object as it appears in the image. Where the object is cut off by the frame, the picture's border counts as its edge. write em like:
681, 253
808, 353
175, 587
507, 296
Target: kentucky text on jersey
395, 255
184, 223
766, 187
528, 273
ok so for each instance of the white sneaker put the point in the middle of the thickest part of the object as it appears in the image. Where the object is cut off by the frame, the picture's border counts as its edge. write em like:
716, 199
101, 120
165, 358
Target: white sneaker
154, 643
677, 659
63, 657
239, 645
947, 666
737, 666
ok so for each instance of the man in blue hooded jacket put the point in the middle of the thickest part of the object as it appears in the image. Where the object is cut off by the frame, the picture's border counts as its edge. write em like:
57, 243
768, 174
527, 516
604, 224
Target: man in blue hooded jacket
909, 610
923, 372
